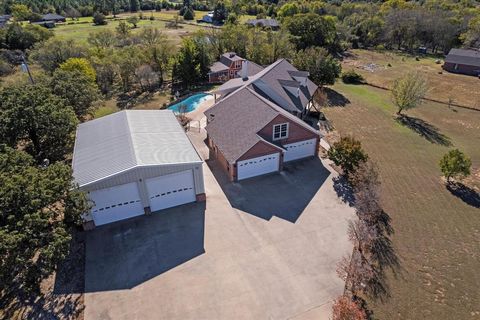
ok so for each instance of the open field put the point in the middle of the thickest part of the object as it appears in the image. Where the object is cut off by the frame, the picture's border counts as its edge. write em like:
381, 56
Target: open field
81, 31
373, 65
437, 234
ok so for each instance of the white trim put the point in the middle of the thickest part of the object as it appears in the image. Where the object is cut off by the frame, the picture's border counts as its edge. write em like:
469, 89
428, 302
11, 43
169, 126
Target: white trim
280, 125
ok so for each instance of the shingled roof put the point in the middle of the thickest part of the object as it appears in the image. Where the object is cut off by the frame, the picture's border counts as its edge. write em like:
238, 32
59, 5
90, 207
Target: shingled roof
464, 56
236, 119
226, 60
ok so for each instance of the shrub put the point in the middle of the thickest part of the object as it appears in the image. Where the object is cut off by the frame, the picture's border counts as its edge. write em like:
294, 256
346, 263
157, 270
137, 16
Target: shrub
352, 77
455, 164
99, 19
347, 154
346, 309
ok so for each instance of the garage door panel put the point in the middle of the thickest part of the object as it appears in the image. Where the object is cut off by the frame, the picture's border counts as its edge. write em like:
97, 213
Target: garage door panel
171, 190
299, 150
116, 203
257, 166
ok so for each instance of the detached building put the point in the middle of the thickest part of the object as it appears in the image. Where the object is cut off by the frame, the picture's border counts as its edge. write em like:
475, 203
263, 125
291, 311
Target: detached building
463, 61
135, 162
228, 67
264, 23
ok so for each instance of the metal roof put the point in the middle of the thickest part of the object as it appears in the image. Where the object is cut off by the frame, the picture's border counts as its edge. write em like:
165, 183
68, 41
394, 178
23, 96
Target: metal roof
128, 139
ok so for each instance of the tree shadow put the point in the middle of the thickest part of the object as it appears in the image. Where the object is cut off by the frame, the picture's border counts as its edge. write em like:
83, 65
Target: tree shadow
465, 193
424, 129
335, 99
344, 190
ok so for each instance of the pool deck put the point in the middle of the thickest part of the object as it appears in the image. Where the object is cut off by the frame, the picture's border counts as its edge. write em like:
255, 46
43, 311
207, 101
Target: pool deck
197, 114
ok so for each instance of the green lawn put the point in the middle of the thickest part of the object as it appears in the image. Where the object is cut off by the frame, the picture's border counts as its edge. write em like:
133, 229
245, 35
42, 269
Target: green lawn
437, 234
80, 32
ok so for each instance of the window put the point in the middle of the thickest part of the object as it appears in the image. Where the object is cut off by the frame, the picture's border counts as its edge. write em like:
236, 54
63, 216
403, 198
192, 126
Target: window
280, 131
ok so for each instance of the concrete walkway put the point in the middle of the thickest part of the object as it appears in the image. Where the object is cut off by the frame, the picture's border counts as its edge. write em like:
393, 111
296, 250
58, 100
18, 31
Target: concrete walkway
240, 255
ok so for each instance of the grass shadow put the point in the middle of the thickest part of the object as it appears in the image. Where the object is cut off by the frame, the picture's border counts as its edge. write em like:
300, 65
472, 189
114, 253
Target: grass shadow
335, 99
466, 194
424, 129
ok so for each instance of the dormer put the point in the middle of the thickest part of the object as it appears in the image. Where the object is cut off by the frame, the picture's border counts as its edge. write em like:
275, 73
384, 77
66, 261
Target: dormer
300, 76
291, 86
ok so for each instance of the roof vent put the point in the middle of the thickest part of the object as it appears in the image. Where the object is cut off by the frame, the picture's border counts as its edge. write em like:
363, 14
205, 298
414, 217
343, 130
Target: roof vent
232, 54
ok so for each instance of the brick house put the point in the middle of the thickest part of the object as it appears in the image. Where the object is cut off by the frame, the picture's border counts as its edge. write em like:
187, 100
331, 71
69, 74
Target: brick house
228, 67
254, 129
463, 61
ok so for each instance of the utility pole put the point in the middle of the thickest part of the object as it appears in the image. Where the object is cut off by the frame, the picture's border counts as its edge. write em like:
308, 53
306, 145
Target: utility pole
27, 69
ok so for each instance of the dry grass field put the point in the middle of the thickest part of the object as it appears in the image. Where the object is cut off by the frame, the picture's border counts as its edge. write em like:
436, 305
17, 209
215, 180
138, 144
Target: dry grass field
437, 233
374, 66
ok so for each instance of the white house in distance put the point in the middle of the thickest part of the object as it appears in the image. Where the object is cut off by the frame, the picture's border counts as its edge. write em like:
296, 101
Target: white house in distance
135, 162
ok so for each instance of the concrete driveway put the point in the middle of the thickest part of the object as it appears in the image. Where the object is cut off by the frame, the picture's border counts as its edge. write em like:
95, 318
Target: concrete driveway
265, 248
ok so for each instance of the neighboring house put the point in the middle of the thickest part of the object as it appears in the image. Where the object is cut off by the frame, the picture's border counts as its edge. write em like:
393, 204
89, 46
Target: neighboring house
135, 162
56, 18
46, 24
264, 23
463, 61
4, 19
228, 67
208, 18
255, 127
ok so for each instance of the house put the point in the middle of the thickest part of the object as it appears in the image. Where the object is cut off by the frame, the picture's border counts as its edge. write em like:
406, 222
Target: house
45, 24
135, 162
263, 23
53, 17
464, 61
228, 67
4, 19
255, 127
208, 18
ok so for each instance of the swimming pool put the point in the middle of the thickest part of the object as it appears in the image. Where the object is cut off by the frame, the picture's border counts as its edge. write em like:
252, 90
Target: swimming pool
191, 103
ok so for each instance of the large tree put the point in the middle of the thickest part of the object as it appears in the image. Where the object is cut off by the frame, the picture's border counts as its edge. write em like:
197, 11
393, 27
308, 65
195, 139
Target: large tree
323, 68
38, 208
455, 164
33, 118
78, 90
52, 53
311, 29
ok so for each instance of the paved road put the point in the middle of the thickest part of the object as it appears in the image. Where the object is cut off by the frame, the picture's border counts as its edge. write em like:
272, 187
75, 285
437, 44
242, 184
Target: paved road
266, 248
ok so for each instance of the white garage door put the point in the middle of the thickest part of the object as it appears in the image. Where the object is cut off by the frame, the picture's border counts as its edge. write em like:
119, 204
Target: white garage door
171, 190
299, 150
257, 166
116, 203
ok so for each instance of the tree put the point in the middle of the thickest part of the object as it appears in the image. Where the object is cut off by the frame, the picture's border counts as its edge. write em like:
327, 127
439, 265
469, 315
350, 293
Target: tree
134, 5
104, 38
455, 164
345, 309
133, 20
348, 154
471, 38
408, 91
323, 68
220, 12
82, 65
123, 30
158, 51
99, 19
76, 88
311, 30
189, 14
52, 53
186, 68
19, 37
32, 116
21, 12
39, 207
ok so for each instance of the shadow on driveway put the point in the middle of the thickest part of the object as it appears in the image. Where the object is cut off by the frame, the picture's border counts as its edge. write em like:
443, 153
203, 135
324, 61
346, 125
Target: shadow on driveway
125, 254
284, 195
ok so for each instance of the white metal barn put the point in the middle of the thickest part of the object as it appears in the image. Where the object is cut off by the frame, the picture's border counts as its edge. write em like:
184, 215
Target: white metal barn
135, 162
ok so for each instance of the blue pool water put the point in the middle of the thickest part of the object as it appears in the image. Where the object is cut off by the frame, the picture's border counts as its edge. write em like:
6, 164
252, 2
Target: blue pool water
191, 102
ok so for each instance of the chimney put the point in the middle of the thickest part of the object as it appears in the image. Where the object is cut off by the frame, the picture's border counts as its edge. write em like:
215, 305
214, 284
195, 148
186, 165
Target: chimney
244, 71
